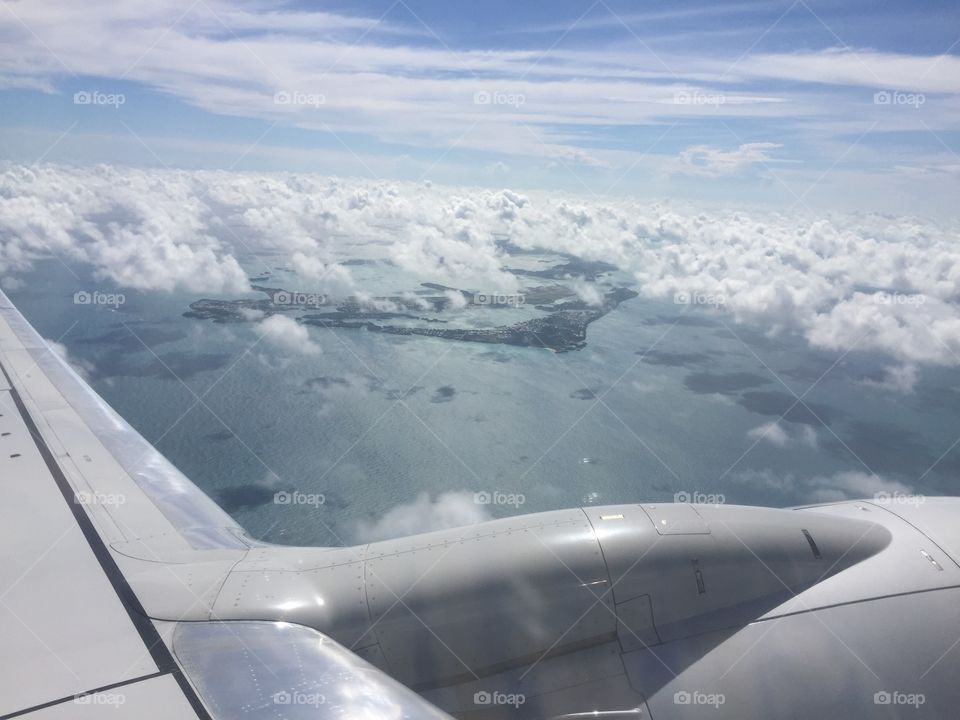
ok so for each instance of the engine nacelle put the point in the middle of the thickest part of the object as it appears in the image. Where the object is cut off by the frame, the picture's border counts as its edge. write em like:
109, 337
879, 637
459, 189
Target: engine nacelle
442, 607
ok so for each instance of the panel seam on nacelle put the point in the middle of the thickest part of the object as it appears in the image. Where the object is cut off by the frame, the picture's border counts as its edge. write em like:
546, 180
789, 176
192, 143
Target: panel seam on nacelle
932, 541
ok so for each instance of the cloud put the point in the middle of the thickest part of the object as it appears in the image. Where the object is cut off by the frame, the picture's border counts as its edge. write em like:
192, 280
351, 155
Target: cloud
448, 510
287, 334
844, 485
897, 378
926, 331
714, 162
456, 299
588, 292
379, 80
328, 277
83, 368
884, 284
783, 436
147, 230
854, 484
864, 68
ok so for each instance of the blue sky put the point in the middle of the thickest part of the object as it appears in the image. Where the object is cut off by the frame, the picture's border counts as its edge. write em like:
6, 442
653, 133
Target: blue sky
771, 102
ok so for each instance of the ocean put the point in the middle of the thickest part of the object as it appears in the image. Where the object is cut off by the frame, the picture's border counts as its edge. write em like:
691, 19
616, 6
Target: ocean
664, 402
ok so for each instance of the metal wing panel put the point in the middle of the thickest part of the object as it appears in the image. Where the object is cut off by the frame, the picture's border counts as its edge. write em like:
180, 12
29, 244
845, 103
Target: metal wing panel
155, 698
70, 622
274, 669
104, 456
63, 628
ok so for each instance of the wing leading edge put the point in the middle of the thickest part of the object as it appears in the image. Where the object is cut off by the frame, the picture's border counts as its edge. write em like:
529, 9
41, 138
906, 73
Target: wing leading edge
93, 515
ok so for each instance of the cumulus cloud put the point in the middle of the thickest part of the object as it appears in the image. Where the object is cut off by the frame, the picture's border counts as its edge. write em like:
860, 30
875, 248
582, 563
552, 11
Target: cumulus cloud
927, 331
326, 276
287, 334
456, 299
588, 292
844, 485
83, 368
147, 230
854, 484
448, 510
869, 283
780, 435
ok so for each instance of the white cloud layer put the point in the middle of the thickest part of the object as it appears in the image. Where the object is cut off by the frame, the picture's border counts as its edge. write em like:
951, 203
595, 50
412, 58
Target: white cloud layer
871, 283
142, 230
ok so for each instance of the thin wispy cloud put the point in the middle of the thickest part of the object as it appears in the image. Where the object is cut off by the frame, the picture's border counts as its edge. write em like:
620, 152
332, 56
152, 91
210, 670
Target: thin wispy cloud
561, 107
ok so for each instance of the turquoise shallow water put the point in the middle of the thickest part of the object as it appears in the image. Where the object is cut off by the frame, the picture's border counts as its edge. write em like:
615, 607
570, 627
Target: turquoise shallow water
375, 419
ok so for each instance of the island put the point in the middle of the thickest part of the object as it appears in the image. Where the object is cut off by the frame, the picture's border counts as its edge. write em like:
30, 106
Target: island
562, 327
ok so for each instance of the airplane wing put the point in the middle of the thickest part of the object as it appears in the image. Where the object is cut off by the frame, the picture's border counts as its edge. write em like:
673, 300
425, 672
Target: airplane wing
96, 523
126, 592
